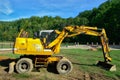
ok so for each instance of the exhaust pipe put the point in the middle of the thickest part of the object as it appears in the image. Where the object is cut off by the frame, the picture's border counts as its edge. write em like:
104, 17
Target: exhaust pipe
106, 65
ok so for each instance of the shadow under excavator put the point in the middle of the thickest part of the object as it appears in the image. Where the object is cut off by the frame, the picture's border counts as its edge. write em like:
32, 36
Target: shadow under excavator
5, 63
52, 68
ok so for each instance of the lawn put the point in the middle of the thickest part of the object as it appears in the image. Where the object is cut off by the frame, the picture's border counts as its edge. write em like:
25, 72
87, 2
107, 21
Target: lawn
86, 61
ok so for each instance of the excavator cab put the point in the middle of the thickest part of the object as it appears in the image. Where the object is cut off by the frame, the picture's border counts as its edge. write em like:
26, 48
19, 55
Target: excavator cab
46, 36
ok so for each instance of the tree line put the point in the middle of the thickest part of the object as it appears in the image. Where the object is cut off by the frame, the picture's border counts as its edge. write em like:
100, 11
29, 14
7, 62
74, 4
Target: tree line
107, 16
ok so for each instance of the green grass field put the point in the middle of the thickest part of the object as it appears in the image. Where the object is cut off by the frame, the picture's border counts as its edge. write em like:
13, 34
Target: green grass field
85, 60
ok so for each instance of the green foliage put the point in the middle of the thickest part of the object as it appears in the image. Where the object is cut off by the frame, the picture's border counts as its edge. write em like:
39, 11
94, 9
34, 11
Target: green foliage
105, 16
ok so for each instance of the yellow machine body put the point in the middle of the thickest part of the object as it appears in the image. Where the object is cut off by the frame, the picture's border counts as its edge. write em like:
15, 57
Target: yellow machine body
30, 46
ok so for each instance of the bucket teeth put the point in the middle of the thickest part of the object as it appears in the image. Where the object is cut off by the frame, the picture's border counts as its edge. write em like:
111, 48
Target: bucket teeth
113, 68
106, 65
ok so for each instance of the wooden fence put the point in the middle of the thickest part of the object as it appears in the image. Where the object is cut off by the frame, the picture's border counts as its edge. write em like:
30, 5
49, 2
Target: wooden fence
6, 44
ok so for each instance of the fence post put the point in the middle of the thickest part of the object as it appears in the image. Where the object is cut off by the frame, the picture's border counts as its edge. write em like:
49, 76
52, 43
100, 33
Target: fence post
11, 44
92, 43
97, 44
87, 43
113, 43
2, 45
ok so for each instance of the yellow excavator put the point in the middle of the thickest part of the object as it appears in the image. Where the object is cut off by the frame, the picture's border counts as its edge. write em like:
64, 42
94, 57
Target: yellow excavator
39, 51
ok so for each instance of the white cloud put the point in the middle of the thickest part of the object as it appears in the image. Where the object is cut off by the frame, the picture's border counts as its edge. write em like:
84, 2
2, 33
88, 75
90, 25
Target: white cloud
5, 7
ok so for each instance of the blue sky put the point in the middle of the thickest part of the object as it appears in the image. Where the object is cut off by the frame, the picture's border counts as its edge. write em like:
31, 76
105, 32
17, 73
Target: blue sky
16, 9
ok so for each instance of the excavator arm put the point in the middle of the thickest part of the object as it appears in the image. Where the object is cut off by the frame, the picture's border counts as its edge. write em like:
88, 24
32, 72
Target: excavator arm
71, 31
93, 31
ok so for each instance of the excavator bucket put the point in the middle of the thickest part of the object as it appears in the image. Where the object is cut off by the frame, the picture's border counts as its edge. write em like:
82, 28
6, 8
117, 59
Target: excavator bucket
106, 65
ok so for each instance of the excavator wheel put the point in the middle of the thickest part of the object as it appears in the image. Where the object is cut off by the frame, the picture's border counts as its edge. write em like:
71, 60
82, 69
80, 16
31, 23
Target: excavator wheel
24, 65
64, 66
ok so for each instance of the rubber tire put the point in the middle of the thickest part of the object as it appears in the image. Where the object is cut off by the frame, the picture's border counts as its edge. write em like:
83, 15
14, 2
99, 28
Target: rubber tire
65, 62
25, 61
